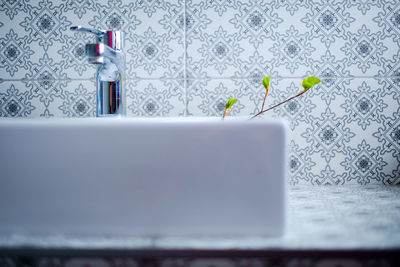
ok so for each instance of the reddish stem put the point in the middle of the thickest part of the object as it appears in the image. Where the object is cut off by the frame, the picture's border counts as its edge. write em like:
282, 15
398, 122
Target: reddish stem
277, 105
265, 98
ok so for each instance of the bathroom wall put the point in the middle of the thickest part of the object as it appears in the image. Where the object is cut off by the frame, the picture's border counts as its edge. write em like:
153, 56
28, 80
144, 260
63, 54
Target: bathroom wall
185, 58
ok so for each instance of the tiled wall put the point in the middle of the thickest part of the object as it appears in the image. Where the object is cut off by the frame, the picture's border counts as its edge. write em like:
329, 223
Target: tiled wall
186, 57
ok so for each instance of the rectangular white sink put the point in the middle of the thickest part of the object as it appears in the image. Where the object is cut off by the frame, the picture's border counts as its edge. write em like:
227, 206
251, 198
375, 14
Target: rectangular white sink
137, 177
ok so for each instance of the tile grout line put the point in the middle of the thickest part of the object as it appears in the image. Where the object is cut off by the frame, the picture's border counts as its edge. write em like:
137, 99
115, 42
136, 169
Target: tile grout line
207, 78
287, 77
185, 112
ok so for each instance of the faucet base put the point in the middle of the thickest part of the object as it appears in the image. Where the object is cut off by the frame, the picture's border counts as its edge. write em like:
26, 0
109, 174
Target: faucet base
109, 98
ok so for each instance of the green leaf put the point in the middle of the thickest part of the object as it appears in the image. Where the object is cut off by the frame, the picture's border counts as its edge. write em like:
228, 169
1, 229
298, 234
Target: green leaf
230, 103
310, 82
265, 82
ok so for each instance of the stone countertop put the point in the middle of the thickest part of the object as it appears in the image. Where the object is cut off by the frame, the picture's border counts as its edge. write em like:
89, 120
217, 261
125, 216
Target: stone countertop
319, 218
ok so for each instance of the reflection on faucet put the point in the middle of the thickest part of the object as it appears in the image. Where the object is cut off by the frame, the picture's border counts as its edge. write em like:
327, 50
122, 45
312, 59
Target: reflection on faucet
107, 54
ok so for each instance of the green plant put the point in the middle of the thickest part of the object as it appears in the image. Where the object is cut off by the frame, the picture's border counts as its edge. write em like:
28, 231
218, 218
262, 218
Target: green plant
307, 84
265, 82
229, 105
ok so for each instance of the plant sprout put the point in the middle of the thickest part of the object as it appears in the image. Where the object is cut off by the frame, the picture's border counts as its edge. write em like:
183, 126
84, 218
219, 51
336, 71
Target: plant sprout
307, 84
229, 105
265, 82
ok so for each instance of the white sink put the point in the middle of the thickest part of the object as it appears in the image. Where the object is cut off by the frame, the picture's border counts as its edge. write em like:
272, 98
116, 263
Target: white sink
138, 177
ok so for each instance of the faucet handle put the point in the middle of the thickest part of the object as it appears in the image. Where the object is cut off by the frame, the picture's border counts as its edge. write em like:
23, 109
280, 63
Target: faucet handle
99, 33
113, 39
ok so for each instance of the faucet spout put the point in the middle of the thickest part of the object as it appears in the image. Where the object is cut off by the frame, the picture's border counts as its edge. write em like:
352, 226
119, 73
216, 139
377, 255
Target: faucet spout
83, 29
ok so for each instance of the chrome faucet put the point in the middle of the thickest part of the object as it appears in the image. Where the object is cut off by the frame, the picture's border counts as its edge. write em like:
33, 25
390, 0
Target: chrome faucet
107, 54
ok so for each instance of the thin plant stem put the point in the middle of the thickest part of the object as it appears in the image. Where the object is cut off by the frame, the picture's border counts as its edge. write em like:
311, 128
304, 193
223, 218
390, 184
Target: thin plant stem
265, 98
277, 105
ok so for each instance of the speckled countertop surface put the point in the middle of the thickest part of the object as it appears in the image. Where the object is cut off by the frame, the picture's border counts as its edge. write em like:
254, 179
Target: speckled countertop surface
328, 217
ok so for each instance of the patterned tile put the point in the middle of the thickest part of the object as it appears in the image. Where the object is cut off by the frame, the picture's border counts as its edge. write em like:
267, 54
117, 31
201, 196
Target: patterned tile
17, 49
363, 163
292, 50
380, 18
15, 100
153, 39
40, 99
323, 146
45, 23
155, 98
388, 19
14, 54
328, 21
72, 55
210, 97
156, 46
47, 81
365, 48
79, 100
221, 33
